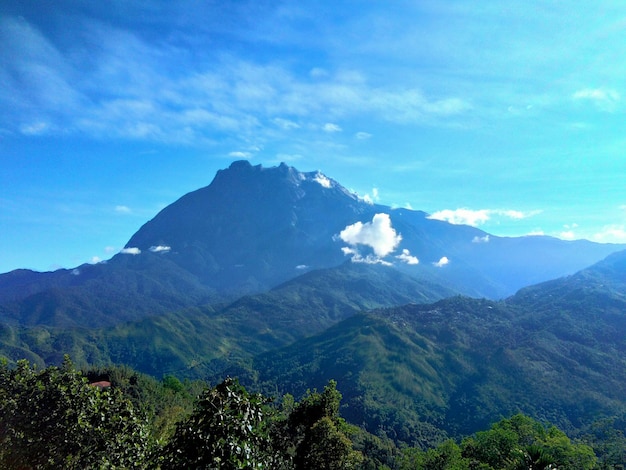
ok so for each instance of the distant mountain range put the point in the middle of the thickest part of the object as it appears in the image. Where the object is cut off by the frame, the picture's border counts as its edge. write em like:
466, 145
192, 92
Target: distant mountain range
287, 280
254, 228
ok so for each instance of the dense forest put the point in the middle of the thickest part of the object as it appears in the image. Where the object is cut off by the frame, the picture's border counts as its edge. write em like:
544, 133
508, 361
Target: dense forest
115, 417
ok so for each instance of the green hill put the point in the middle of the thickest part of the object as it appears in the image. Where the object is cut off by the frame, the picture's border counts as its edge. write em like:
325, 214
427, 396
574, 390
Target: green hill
197, 341
555, 351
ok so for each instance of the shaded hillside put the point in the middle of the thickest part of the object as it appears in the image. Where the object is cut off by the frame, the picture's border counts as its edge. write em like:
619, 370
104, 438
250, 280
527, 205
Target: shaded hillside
125, 289
196, 341
422, 371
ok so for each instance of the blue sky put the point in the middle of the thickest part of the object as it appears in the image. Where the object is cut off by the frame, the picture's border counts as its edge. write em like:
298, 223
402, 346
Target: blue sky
506, 115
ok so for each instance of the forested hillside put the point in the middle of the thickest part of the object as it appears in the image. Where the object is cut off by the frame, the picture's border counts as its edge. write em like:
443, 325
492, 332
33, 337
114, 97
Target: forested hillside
62, 418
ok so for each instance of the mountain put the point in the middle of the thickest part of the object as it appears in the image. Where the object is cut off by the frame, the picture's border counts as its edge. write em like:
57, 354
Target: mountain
555, 351
197, 341
124, 289
254, 228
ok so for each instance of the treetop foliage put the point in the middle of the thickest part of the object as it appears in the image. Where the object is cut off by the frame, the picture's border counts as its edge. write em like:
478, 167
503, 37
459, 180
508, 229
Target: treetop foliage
53, 418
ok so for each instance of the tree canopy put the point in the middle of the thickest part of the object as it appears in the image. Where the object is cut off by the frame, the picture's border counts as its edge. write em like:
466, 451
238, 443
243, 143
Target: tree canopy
54, 418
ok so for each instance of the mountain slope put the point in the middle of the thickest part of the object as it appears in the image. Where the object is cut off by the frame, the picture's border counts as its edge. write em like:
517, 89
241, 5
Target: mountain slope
196, 341
254, 228
450, 368
127, 288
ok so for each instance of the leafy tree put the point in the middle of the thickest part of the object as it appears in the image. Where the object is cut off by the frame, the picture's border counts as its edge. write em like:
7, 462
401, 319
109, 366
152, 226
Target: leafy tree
446, 456
227, 430
523, 443
52, 418
607, 439
318, 435
325, 447
565, 453
163, 403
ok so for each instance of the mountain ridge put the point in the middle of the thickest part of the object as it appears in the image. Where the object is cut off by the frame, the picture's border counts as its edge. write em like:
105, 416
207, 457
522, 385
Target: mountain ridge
254, 228
423, 372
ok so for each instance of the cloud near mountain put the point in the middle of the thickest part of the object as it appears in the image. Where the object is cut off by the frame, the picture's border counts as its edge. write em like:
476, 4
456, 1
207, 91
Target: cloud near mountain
160, 249
378, 235
407, 257
442, 262
475, 218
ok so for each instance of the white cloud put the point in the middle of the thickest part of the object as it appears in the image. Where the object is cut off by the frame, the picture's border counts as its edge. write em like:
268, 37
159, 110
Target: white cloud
442, 262
604, 98
483, 239
130, 251
359, 258
317, 72
109, 249
160, 249
95, 260
302, 266
136, 98
407, 257
614, 233
288, 157
378, 234
363, 135
346, 250
330, 127
76, 272
285, 124
322, 180
123, 209
36, 128
464, 216
536, 233
568, 233
239, 154
512, 214
374, 197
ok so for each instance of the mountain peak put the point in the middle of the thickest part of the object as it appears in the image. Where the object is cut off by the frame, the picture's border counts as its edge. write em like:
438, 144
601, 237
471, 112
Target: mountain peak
241, 165
242, 171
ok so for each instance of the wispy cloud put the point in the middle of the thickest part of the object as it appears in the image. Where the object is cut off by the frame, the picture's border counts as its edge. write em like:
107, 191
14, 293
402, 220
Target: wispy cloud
604, 98
614, 233
285, 124
35, 128
462, 216
407, 258
483, 239
373, 197
478, 217
240, 154
330, 127
123, 89
569, 232
123, 209
130, 251
322, 180
160, 249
